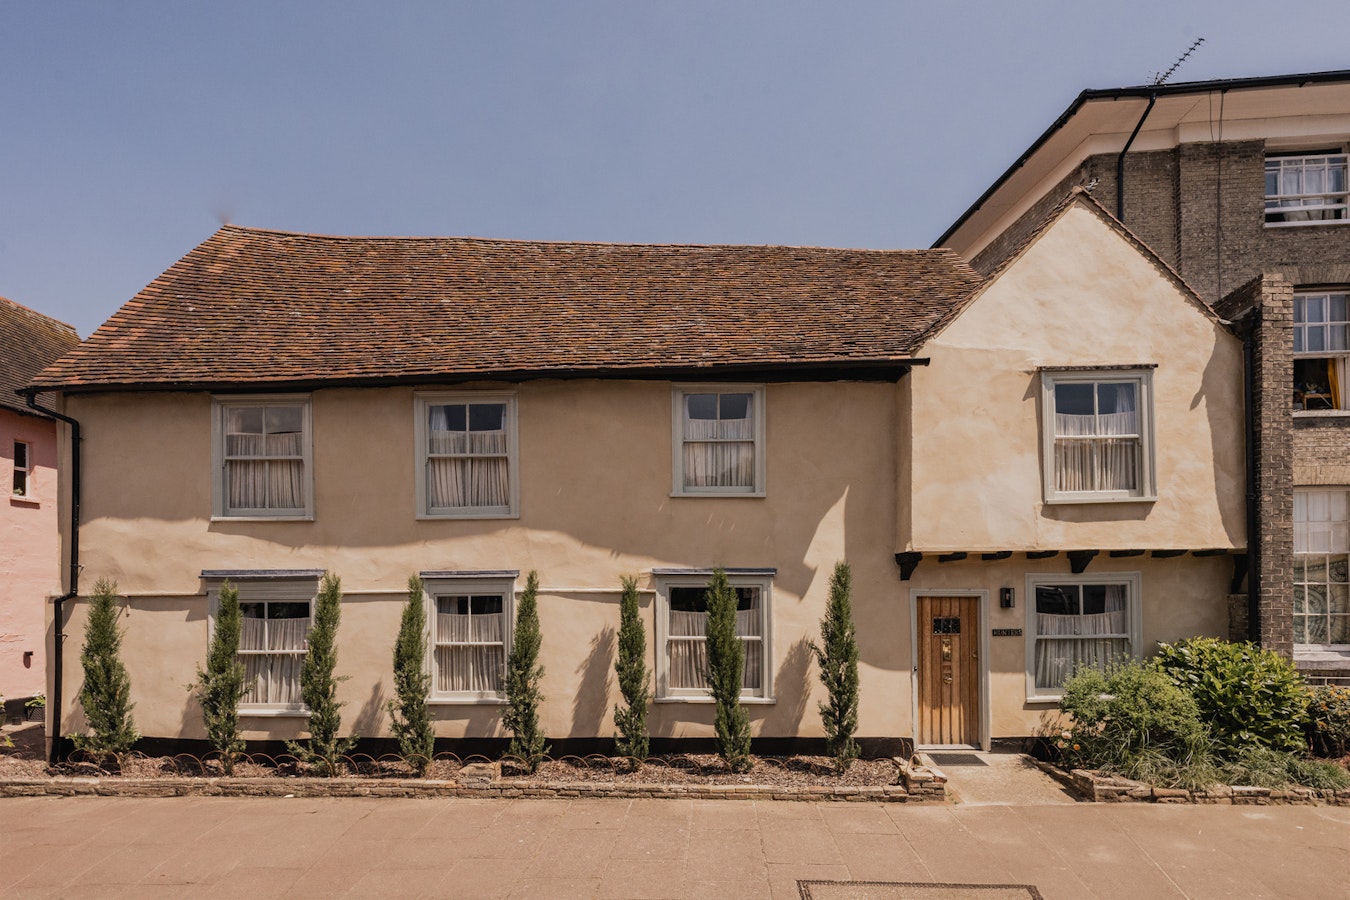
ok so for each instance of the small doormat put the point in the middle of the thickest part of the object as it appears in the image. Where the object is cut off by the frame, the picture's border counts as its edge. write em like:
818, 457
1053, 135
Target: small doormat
956, 759
913, 890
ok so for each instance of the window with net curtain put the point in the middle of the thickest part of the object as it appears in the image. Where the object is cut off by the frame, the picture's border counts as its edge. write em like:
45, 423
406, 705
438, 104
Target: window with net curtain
272, 644
264, 450
1077, 624
684, 659
1097, 435
467, 464
719, 440
1322, 567
470, 627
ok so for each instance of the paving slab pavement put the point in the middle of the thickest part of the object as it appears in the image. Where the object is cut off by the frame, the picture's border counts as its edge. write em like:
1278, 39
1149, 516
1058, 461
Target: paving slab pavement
204, 847
1000, 777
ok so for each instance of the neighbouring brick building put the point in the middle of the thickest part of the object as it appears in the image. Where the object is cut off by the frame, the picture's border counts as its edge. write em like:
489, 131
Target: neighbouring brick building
1241, 186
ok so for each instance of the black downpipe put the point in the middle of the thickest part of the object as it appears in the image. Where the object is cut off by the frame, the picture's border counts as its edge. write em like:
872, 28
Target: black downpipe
74, 590
1120, 160
1253, 524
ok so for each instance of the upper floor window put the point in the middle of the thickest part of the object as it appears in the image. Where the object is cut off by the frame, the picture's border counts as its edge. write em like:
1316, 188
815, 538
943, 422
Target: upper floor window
467, 455
682, 624
263, 452
23, 468
470, 630
1306, 189
1097, 435
1321, 350
1322, 567
719, 440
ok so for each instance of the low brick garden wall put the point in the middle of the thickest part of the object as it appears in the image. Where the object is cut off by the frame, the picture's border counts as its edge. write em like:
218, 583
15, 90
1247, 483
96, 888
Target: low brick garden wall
1099, 788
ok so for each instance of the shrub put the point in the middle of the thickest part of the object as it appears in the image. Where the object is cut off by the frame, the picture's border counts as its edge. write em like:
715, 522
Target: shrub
1329, 720
634, 679
1250, 697
409, 711
318, 685
523, 675
837, 656
221, 685
1263, 767
106, 694
726, 667
1133, 720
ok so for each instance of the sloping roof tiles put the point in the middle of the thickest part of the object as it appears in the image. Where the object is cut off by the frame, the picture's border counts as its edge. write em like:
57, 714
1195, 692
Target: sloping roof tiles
28, 342
257, 307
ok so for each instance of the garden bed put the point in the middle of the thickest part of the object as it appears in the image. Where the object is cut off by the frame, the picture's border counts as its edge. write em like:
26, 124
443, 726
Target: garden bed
1100, 787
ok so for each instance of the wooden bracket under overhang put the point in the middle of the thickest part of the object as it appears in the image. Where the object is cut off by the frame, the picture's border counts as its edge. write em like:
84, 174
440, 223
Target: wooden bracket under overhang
1078, 559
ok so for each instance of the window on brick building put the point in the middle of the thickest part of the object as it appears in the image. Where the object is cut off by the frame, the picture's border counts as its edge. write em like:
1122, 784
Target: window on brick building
1322, 567
1307, 188
1321, 350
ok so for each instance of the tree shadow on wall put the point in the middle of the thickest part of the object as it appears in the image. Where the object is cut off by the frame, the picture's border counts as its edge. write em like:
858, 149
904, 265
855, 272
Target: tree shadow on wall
591, 704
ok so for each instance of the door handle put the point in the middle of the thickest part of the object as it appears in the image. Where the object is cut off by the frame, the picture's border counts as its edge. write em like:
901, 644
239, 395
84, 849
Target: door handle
947, 679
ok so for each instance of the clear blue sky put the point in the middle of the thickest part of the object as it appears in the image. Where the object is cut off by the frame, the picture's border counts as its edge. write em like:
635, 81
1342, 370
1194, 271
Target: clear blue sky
130, 130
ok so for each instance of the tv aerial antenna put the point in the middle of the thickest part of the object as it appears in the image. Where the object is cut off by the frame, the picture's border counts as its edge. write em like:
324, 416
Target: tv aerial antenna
1160, 78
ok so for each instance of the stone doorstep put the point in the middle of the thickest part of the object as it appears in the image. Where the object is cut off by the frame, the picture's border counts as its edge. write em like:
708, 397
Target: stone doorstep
390, 787
1098, 788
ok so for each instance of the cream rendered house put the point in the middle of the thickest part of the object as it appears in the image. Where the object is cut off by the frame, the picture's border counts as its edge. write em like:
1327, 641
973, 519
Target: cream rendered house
1026, 472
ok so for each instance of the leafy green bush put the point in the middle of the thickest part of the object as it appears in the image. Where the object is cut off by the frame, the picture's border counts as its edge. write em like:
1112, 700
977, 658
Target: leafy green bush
523, 677
106, 695
221, 685
634, 681
1329, 720
1250, 697
409, 712
837, 656
726, 668
1263, 767
1134, 721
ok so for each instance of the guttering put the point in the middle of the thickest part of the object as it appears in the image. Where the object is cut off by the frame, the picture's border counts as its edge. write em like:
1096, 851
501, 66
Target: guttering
1120, 160
1140, 92
1253, 525
887, 369
30, 396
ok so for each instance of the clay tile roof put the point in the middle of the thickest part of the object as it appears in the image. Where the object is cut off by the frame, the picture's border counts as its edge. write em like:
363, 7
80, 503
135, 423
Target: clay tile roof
29, 341
253, 307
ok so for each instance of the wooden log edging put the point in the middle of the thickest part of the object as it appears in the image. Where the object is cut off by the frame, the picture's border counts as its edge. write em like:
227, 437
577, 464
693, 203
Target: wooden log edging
1095, 787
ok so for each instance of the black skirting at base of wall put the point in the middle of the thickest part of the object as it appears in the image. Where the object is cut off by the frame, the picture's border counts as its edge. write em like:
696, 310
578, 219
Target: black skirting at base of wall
494, 748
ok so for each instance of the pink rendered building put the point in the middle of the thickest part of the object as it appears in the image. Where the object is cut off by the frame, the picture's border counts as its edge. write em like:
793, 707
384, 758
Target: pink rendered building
29, 540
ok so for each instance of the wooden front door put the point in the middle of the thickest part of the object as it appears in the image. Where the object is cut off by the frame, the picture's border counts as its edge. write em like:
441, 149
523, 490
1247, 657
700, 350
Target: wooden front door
949, 671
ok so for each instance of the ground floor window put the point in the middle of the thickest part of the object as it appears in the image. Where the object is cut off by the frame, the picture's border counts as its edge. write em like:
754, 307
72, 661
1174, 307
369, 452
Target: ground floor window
277, 608
1079, 622
682, 621
470, 628
1322, 567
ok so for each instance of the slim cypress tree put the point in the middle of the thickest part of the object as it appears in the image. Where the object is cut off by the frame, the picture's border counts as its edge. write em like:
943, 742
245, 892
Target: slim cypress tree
106, 694
221, 686
318, 686
726, 668
837, 656
523, 674
409, 711
634, 681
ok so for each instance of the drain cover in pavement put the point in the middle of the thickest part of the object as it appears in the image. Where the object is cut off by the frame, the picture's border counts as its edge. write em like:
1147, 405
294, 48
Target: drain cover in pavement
957, 759
913, 890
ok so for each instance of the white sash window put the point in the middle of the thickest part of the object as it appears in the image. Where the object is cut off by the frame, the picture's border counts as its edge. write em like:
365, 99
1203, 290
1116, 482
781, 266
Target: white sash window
467, 457
719, 440
263, 450
1097, 433
1079, 623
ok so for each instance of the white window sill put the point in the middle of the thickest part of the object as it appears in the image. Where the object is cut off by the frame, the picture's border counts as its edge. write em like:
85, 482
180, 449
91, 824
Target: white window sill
730, 495
1308, 223
1079, 501
467, 701
246, 712
745, 701
1041, 699
469, 515
262, 518
1321, 413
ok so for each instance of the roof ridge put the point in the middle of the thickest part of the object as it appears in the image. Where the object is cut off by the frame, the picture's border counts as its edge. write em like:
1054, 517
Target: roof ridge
251, 229
43, 316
